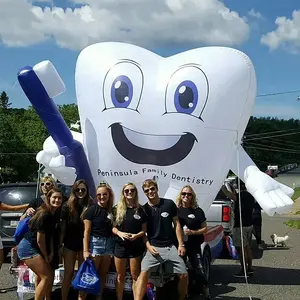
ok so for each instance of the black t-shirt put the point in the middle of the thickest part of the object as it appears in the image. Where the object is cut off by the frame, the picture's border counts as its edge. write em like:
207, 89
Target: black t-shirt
47, 225
73, 237
35, 204
160, 231
132, 223
192, 218
247, 202
101, 220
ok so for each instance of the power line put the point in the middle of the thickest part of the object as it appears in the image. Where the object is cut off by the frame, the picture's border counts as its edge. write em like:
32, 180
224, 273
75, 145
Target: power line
267, 137
278, 93
272, 147
269, 149
269, 132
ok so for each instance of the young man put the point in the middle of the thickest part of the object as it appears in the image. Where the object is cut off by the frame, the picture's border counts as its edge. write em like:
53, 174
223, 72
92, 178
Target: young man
247, 204
161, 240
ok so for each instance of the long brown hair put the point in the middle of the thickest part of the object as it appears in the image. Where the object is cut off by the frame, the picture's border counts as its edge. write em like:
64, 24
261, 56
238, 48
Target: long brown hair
44, 208
72, 202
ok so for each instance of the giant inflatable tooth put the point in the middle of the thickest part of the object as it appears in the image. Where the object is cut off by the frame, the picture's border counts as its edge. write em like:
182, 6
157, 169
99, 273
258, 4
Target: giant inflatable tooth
178, 119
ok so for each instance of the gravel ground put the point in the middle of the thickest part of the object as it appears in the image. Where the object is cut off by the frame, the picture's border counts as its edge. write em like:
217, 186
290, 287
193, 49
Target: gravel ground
277, 271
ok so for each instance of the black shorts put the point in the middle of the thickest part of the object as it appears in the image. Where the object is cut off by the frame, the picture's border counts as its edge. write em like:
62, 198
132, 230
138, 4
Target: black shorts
122, 251
74, 246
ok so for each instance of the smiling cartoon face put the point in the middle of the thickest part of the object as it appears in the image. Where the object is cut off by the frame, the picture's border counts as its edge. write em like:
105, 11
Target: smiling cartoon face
176, 119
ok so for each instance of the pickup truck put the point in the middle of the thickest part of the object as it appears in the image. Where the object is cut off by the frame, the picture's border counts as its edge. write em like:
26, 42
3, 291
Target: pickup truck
221, 212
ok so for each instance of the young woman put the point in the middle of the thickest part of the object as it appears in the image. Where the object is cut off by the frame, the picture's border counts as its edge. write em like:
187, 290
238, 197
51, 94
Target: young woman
47, 183
130, 227
98, 242
34, 250
193, 222
72, 232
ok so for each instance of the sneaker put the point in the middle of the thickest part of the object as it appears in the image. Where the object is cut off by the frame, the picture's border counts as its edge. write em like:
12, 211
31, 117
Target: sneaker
240, 274
250, 272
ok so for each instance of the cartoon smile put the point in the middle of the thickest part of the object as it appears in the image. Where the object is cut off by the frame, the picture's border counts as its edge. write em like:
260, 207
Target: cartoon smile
136, 146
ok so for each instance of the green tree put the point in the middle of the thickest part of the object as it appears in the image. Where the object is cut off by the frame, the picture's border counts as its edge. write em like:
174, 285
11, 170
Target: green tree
4, 101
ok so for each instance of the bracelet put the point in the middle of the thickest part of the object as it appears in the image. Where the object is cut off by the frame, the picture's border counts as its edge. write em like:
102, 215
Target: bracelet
182, 246
86, 251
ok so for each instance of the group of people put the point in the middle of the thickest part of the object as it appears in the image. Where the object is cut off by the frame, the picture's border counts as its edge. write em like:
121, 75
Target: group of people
140, 236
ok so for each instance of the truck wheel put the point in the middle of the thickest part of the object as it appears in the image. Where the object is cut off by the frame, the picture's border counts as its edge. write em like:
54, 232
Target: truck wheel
206, 263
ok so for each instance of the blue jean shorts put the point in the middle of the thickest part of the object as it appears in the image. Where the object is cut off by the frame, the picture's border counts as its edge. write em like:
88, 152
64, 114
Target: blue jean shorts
100, 246
25, 250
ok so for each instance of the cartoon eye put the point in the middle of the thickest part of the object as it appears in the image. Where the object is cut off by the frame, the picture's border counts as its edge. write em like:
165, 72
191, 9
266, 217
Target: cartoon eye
123, 86
121, 91
186, 97
187, 91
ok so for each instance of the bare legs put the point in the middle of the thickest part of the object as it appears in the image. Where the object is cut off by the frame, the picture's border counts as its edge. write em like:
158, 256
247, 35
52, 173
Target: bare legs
69, 264
135, 269
43, 270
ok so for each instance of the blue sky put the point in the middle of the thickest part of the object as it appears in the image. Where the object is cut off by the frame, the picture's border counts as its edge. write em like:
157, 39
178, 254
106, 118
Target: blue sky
276, 60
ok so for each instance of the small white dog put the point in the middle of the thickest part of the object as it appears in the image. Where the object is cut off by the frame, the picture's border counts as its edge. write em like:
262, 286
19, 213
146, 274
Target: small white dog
279, 240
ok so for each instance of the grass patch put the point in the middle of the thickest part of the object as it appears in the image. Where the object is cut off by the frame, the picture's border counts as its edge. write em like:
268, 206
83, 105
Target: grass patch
293, 224
296, 193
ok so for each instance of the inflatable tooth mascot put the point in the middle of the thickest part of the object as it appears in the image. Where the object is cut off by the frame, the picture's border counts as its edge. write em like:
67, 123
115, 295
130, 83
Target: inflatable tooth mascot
178, 119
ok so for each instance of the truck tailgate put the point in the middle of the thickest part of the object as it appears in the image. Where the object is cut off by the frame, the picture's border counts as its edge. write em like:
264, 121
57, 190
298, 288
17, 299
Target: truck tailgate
215, 215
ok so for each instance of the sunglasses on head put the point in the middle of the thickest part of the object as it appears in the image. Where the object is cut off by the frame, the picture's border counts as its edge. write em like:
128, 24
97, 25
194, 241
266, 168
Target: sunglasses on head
186, 194
126, 191
46, 183
80, 190
152, 189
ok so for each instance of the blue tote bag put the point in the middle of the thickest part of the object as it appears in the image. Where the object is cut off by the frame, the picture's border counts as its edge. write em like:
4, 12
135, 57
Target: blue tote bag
87, 278
21, 229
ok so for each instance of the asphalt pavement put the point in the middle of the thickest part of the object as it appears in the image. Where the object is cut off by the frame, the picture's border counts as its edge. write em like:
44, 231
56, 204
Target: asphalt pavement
276, 277
291, 178
276, 270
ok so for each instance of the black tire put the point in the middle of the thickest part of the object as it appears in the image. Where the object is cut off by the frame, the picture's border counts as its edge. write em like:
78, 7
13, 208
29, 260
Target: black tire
206, 263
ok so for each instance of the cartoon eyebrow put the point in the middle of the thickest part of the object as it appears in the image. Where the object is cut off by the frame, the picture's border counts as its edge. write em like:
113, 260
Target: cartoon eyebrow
190, 65
128, 60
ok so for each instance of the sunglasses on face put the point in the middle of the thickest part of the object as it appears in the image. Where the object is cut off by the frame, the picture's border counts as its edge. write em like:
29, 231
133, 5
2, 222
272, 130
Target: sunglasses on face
186, 194
80, 190
103, 195
152, 189
46, 183
129, 190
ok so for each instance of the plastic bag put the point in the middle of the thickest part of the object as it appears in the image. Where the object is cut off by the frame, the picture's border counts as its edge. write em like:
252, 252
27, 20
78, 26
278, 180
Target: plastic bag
21, 229
87, 278
230, 247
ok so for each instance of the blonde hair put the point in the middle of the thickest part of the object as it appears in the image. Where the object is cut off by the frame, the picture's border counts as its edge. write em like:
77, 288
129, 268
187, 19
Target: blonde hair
48, 179
110, 202
122, 206
194, 203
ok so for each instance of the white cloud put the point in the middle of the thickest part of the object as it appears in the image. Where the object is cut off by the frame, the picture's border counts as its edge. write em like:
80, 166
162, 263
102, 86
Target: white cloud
286, 35
146, 23
255, 14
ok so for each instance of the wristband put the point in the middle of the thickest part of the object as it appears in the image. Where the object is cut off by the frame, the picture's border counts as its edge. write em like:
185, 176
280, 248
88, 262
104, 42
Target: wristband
182, 246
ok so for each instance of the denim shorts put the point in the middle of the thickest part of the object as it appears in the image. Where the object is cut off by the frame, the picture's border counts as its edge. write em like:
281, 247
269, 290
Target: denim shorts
100, 246
25, 250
